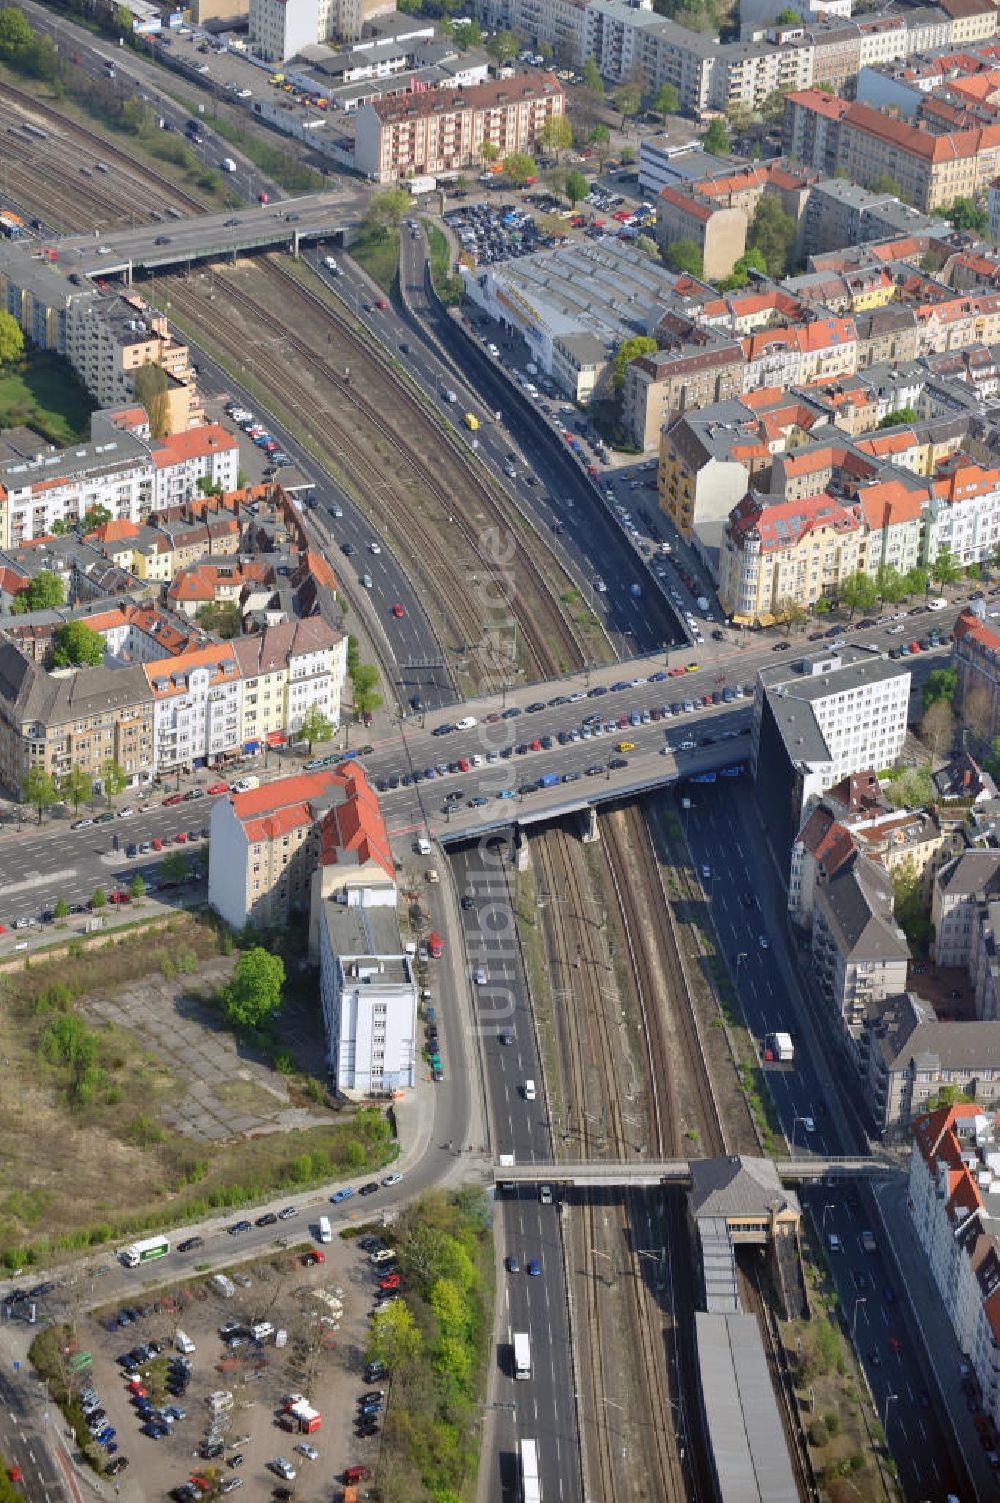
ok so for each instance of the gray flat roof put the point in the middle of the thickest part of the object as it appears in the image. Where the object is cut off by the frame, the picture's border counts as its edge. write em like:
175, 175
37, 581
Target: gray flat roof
791, 694
745, 1434
366, 934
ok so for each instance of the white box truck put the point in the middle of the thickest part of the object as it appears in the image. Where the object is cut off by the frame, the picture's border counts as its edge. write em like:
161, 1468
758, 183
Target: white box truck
227, 164
223, 1285
323, 1227
522, 1355
183, 1343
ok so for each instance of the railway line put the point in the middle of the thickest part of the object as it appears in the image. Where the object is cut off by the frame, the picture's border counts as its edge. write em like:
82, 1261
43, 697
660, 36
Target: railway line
418, 490
43, 171
754, 1302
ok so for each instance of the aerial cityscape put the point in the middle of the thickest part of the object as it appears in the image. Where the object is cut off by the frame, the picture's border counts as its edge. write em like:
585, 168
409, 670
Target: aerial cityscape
430, 1073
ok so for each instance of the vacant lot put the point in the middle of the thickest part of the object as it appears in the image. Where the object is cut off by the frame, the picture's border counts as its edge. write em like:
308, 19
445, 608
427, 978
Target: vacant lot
42, 392
129, 1092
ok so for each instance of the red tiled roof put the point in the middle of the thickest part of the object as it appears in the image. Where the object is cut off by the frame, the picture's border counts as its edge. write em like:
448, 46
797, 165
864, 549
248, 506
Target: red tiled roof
351, 829
688, 204
192, 443
970, 627
820, 102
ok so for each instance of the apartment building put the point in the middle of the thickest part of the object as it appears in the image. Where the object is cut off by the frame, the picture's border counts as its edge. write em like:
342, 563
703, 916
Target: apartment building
281, 29
286, 670
953, 1201
196, 707
816, 722
182, 460
909, 1056
859, 953
368, 993
268, 845
976, 656
719, 233
444, 130
706, 461
56, 721
659, 386
109, 339
777, 552
962, 888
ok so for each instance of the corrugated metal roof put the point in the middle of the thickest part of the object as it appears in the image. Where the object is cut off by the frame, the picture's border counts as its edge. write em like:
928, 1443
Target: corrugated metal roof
744, 1427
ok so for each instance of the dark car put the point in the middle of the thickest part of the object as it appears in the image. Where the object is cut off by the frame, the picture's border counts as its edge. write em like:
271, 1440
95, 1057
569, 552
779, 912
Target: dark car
369, 1189
237, 1227
268, 1219
347, 549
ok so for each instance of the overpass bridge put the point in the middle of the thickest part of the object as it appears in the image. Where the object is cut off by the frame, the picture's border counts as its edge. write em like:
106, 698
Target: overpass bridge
631, 1175
175, 243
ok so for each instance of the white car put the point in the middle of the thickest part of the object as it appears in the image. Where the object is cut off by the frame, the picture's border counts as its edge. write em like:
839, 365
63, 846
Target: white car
392, 1179
808, 1124
374, 548
545, 1194
686, 746
283, 1467
895, 631
765, 943
467, 723
308, 1451
126, 813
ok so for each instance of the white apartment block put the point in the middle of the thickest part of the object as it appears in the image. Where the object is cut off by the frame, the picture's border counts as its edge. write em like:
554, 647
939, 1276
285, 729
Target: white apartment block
369, 998
196, 707
286, 670
962, 887
954, 1203
280, 29
209, 452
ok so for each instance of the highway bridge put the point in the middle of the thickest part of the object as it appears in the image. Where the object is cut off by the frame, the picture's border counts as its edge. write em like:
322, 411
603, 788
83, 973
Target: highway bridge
178, 243
582, 1175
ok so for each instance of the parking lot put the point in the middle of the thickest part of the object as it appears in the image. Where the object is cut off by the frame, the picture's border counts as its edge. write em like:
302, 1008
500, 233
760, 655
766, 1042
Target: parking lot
492, 233
293, 1330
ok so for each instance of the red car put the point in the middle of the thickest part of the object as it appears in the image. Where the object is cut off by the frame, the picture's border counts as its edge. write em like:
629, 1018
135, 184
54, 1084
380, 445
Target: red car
119, 897
894, 1344
172, 799
381, 304
355, 1474
391, 1281
622, 215
310, 1259
398, 611
181, 837
219, 788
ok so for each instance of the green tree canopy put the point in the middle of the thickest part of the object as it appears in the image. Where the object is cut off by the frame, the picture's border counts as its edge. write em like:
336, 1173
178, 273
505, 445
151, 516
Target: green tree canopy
315, 727
773, 108
77, 645
966, 214
884, 183
592, 76
945, 569
174, 866
393, 1338
940, 686
787, 17
684, 256
556, 134
716, 139
11, 338
518, 166
502, 48
113, 777
15, 33
773, 233
44, 591
137, 886
858, 592
751, 260
254, 993
75, 786
666, 100
576, 187
151, 386
364, 680
99, 899
95, 516
468, 34
387, 210
39, 789
629, 350
489, 151
626, 99
899, 415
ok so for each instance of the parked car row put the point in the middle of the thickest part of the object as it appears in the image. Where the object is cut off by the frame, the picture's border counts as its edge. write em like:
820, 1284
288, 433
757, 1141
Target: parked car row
257, 433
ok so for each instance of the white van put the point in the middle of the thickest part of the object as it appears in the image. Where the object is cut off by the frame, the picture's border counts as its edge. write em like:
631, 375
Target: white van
938, 605
323, 1227
529, 1090
423, 846
183, 1343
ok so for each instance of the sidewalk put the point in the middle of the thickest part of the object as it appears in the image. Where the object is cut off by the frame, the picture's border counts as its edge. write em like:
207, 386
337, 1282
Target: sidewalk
941, 1348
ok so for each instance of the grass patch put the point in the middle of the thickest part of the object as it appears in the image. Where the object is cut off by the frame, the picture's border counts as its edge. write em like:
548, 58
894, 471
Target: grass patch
286, 170
448, 284
436, 1345
87, 1111
42, 391
377, 251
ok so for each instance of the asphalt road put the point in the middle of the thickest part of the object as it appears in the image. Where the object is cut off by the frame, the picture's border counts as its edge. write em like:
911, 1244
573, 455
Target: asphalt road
541, 1407
745, 899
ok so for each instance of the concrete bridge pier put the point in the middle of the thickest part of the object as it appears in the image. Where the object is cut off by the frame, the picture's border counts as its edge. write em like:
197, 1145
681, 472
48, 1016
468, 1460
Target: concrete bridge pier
588, 820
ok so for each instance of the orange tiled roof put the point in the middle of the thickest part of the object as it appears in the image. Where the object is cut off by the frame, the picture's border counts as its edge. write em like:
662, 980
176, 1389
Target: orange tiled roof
169, 676
687, 204
192, 443
890, 502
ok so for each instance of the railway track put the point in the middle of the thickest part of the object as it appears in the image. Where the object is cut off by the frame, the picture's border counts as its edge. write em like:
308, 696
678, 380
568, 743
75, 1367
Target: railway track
413, 494
755, 1303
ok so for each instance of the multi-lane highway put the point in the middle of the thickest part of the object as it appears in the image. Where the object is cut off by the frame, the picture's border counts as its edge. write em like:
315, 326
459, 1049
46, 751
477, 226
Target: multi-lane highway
541, 1407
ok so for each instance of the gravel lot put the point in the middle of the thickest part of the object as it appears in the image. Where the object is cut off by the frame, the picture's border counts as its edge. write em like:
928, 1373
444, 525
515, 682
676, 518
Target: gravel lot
323, 1360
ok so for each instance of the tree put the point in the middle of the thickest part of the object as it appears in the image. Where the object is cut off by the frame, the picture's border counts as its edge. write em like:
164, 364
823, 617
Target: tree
44, 592
966, 214
364, 679
114, 777
15, 33
890, 584
629, 155
75, 645
666, 101
75, 786
39, 789
977, 713
601, 138
716, 139
937, 727
99, 899
592, 76
174, 867
137, 886
489, 151
684, 256
150, 386
556, 134
899, 415
912, 907
629, 350
917, 580
789, 612
940, 687
787, 17
773, 233
387, 210
315, 727
254, 993
11, 338
468, 34
61, 908
626, 99
886, 184
502, 48
518, 166
647, 246
858, 592
393, 1338
555, 181
751, 260
576, 187
945, 569
773, 108
95, 516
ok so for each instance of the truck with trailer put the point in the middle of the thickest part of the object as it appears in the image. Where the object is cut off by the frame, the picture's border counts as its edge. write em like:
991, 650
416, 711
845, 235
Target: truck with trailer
528, 1458
522, 1355
144, 1252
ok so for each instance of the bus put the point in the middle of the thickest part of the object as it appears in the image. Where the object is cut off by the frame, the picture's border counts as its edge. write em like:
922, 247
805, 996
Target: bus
144, 1252
528, 1457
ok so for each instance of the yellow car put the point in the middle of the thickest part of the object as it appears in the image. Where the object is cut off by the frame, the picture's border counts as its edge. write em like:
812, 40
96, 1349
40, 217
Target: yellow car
624, 746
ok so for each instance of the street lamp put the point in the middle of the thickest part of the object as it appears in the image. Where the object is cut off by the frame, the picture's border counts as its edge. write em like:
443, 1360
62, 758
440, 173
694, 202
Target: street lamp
795, 1122
890, 1398
861, 1300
